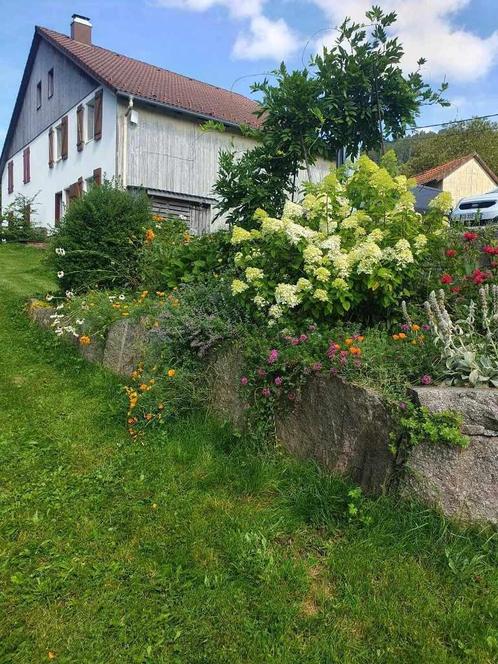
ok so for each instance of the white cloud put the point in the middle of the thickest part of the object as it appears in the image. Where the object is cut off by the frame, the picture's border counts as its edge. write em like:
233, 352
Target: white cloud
261, 37
427, 28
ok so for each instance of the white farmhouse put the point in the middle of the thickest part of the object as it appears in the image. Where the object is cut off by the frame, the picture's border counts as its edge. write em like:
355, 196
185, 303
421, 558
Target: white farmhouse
84, 113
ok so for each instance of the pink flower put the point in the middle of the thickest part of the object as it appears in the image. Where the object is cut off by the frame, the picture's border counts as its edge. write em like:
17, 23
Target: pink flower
295, 341
278, 380
343, 354
266, 391
261, 373
405, 327
402, 405
244, 380
303, 338
426, 327
357, 363
291, 396
317, 366
426, 379
333, 371
273, 356
312, 327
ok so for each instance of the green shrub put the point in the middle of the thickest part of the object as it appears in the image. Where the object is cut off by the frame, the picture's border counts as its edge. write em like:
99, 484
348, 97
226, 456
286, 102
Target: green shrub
97, 244
176, 257
16, 224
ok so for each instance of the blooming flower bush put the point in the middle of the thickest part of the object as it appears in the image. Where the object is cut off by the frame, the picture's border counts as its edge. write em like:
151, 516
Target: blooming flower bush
353, 245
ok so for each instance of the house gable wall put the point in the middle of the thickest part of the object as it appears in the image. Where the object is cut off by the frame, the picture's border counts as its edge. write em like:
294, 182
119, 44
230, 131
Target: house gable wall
70, 85
470, 179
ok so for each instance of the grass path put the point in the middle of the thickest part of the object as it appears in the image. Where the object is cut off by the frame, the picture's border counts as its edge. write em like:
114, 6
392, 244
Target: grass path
189, 549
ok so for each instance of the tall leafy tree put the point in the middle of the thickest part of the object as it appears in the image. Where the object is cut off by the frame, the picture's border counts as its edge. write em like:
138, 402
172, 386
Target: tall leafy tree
354, 96
427, 150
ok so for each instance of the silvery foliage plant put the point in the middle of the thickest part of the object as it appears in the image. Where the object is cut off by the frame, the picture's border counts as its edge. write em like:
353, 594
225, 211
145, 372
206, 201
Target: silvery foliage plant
469, 346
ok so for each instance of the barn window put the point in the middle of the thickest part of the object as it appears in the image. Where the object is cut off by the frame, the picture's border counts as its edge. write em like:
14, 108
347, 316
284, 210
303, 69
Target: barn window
38, 95
50, 83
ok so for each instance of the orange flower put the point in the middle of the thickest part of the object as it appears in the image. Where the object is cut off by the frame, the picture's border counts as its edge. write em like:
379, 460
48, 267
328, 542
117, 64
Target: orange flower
132, 420
348, 342
85, 340
171, 373
144, 294
116, 305
360, 338
354, 350
143, 387
148, 416
149, 235
157, 217
186, 238
396, 337
415, 328
402, 335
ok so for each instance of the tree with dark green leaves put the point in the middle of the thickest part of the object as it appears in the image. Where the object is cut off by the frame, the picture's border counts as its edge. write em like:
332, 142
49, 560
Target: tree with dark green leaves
423, 151
354, 96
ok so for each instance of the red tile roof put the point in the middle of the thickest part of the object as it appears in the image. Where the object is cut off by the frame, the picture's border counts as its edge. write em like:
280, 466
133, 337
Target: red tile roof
133, 77
440, 172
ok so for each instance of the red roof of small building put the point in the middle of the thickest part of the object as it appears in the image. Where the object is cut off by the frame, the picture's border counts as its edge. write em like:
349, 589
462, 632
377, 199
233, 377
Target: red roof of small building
440, 172
133, 77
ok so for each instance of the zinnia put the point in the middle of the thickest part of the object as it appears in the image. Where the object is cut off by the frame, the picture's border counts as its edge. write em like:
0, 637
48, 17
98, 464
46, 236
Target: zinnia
446, 279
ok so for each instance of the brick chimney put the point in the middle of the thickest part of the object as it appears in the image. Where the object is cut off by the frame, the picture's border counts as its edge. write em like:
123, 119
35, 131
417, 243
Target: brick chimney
81, 29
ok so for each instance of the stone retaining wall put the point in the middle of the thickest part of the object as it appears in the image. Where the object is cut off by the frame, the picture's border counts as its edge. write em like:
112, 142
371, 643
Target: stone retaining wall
346, 428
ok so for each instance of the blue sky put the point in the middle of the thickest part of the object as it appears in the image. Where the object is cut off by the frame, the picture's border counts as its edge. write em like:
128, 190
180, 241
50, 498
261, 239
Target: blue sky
220, 41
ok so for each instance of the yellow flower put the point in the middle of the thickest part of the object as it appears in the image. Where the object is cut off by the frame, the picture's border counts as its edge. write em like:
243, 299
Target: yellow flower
348, 342
85, 340
149, 235
160, 293
171, 373
143, 387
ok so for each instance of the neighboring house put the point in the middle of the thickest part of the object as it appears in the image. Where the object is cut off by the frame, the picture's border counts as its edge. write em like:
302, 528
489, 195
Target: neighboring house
466, 176
84, 113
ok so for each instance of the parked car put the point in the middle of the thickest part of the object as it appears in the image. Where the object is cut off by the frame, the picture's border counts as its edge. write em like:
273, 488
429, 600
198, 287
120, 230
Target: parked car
479, 210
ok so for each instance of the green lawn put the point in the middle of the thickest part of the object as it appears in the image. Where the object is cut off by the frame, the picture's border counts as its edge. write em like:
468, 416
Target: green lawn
191, 549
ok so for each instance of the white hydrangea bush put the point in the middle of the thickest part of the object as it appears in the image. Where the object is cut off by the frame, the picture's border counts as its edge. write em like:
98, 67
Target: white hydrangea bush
354, 241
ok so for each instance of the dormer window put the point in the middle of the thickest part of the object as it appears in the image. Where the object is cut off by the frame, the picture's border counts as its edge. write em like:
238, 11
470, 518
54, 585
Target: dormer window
38, 95
50, 83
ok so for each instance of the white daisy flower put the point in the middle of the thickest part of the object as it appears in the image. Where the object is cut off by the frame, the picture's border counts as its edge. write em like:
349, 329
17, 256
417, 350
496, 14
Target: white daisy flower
69, 294
49, 297
60, 274
60, 251
122, 296
80, 321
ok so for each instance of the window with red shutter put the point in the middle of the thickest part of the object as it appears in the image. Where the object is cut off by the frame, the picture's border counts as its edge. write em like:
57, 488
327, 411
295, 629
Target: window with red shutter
80, 142
64, 137
10, 176
51, 148
98, 115
97, 176
26, 166
58, 207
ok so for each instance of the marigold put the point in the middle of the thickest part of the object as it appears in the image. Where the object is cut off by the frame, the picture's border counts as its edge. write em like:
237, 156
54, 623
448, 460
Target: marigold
348, 342
85, 340
149, 235
143, 387
171, 373
396, 337
402, 335
415, 328
354, 350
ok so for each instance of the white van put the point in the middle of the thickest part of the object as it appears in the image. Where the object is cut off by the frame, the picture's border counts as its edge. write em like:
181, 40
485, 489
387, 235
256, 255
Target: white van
479, 210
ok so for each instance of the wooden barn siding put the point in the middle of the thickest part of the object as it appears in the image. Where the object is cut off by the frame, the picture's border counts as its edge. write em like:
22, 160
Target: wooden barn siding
70, 85
174, 154
197, 215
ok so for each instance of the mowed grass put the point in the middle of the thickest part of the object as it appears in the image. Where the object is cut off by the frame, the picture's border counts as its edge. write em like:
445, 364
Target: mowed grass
191, 548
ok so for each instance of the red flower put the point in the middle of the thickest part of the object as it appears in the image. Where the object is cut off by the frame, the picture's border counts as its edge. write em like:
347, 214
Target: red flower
456, 289
469, 236
478, 277
446, 279
451, 253
489, 249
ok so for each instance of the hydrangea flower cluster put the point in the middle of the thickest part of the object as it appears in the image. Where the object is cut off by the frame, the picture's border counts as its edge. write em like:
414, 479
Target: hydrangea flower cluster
354, 239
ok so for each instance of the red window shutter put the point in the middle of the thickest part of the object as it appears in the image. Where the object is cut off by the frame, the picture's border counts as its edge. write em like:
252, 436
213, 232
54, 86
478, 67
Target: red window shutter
97, 176
65, 137
58, 206
26, 168
10, 175
80, 186
98, 115
79, 128
51, 148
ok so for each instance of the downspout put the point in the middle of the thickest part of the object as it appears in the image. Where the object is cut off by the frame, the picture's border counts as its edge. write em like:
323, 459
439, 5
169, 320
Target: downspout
124, 174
